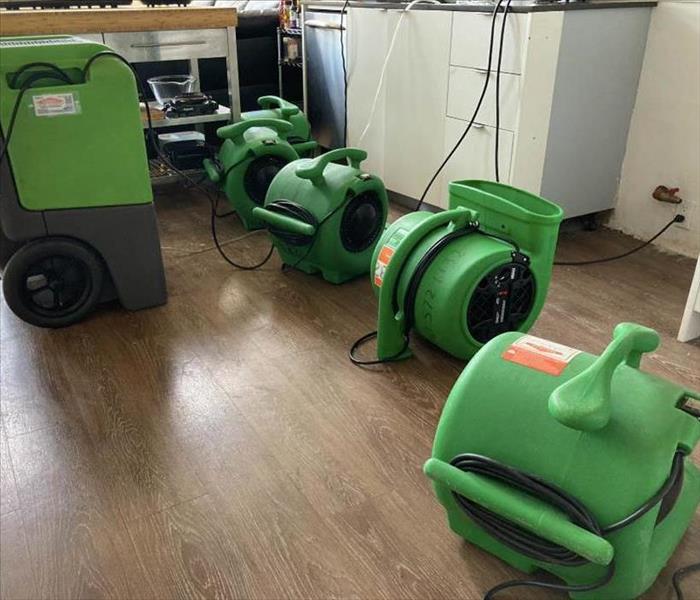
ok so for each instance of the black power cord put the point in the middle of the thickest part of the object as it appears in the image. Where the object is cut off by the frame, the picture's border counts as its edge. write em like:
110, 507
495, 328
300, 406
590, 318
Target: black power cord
534, 546
497, 150
681, 574
676, 219
476, 109
345, 74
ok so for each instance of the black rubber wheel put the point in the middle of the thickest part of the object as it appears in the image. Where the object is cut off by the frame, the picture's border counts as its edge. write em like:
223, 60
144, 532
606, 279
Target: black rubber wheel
53, 282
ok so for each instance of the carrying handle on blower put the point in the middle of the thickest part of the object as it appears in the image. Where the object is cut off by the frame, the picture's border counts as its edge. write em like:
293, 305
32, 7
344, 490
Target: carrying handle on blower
211, 170
235, 132
522, 509
287, 109
391, 334
313, 170
583, 402
283, 222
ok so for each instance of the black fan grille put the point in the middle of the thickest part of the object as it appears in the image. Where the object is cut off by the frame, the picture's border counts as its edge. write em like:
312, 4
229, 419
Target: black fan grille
259, 176
362, 222
501, 302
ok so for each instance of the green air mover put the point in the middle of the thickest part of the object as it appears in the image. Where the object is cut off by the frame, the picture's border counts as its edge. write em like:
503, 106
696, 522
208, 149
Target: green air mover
554, 459
273, 107
77, 217
462, 276
326, 217
253, 152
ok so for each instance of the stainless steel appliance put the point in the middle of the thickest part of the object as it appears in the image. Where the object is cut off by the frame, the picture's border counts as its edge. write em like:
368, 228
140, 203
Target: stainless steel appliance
324, 100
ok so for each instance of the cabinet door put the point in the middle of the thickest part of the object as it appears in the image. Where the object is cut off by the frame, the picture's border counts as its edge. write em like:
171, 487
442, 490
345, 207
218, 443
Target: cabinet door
367, 45
416, 87
471, 33
465, 89
474, 159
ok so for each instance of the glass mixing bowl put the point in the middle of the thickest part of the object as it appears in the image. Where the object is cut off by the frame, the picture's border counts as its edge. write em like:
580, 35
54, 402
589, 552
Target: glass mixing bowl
166, 87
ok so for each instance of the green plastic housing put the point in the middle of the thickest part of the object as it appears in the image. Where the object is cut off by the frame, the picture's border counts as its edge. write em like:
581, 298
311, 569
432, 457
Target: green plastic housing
56, 126
450, 281
326, 189
602, 430
244, 143
274, 107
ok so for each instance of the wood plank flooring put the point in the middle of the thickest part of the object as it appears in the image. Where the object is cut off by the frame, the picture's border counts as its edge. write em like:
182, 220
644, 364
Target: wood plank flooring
223, 446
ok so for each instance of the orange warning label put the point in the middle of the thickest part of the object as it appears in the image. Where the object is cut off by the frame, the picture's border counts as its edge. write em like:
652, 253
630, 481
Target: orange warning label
383, 261
540, 355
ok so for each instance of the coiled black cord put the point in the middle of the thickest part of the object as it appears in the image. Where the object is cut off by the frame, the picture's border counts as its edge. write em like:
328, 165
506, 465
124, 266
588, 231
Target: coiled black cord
294, 211
532, 545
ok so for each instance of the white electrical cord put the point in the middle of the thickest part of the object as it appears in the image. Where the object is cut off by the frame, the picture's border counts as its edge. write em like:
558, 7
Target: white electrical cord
384, 66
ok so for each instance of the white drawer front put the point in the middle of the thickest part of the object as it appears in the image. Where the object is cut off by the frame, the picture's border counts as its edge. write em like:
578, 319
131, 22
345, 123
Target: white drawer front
470, 40
474, 159
465, 90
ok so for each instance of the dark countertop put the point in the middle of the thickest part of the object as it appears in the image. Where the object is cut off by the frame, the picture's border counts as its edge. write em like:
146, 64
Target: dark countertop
518, 6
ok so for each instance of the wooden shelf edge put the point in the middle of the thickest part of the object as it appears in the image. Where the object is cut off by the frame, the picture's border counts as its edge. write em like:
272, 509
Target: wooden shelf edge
114, 20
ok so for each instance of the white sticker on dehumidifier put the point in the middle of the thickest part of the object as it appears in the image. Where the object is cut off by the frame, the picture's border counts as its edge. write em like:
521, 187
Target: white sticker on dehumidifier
540, 355
53, 105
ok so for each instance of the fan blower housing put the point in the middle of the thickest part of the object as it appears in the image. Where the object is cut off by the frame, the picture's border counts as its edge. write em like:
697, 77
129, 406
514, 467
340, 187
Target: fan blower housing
326, 217
274, 107
465, 275
253, 152
598, 428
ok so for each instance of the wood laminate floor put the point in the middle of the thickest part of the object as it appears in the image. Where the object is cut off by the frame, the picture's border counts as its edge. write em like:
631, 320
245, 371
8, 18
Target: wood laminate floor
223, 445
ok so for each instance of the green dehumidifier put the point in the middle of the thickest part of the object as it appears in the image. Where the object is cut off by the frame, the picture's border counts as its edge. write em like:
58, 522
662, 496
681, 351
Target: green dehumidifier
462, 276
325, 215
76, 208
253, 152
555, 459
274, 107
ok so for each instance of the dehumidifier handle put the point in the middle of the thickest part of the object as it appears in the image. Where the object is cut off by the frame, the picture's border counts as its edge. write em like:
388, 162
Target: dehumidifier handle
287, 109
526, 511
583, 402
235, 132
284, 222
313, 170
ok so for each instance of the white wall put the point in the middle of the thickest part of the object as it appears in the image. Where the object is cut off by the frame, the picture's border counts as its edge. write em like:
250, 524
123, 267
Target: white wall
663, 146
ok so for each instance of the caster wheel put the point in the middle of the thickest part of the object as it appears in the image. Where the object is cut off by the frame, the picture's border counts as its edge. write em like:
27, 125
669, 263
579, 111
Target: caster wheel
53, 282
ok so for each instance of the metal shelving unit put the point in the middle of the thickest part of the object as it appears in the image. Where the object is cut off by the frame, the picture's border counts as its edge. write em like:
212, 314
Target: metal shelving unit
282, 60
223, 113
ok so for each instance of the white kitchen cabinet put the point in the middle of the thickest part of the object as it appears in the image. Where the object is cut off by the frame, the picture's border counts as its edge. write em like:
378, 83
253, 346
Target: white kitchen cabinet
464, 91
366, 45
474, 159
416, 95
568, 87
471, 32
